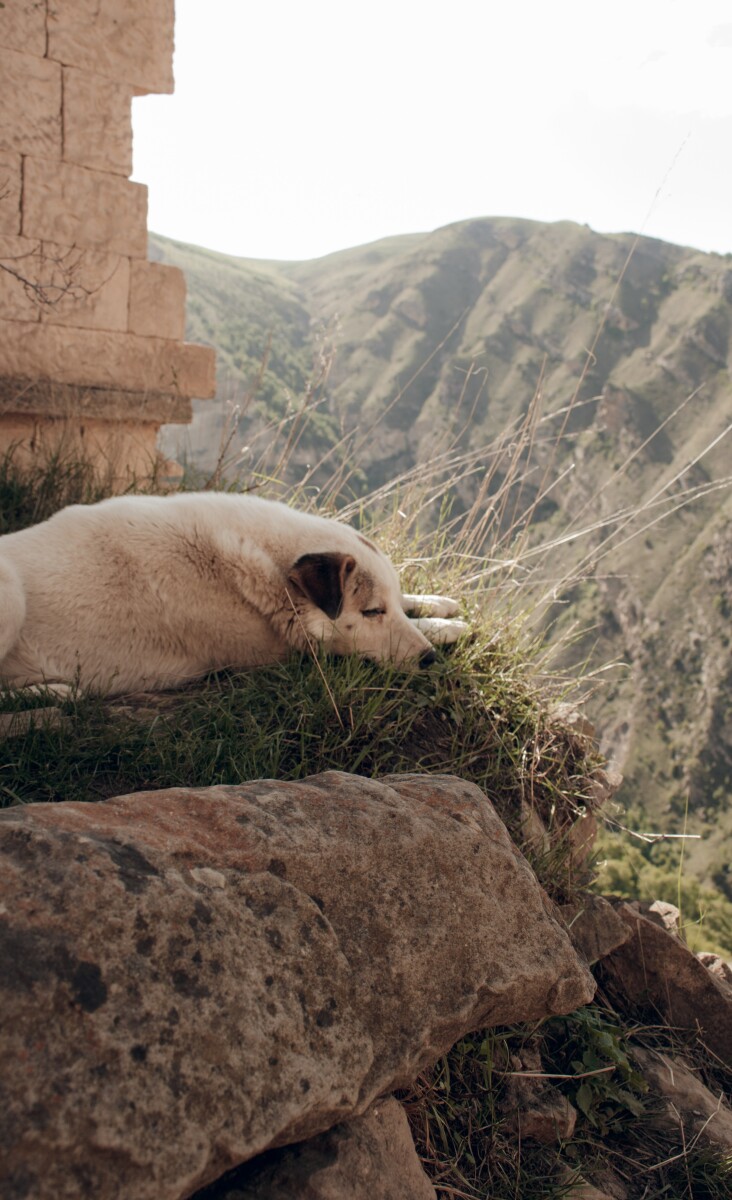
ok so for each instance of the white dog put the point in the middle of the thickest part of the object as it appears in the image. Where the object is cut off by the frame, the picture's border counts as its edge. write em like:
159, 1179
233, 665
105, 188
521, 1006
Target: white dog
147, 592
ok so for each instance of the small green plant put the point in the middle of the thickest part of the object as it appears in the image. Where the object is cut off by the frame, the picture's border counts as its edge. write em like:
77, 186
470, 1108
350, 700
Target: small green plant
590, 1045
460, 1130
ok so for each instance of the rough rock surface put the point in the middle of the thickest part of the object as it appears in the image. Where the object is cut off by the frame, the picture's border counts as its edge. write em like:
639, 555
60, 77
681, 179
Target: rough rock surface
705, 1117
369, 1158
607, 1186
716, 964
663, 914
654, 967
195, 976
594, 927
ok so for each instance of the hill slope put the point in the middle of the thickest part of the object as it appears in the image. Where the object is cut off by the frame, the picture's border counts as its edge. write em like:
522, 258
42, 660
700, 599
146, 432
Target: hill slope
442, 341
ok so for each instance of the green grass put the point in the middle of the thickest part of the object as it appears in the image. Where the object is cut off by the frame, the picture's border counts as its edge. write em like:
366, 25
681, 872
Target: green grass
476, 713
462, 1133
30, 493
645, 871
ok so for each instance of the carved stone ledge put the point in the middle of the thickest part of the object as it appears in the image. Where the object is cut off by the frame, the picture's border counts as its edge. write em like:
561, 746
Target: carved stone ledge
48, 398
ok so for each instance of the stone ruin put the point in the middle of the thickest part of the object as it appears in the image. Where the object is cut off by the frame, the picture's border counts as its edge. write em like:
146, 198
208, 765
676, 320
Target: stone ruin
92, 343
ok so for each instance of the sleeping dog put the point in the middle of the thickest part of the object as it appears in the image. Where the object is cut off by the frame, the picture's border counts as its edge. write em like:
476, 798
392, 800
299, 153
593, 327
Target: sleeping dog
149, 592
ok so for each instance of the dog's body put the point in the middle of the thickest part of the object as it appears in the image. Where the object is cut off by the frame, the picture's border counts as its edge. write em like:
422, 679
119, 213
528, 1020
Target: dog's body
146, 592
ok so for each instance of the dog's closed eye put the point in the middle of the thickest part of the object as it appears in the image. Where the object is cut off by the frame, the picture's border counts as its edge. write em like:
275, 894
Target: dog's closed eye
373, 612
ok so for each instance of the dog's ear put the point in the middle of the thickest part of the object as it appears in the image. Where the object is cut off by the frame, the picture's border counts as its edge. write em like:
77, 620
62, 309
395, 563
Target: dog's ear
322, 578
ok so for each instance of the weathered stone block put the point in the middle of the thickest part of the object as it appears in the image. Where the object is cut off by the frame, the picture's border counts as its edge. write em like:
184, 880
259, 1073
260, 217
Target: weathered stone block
97, 122
705, 1114
106, 359
85, 288
535, 1108
62, 401
255, 964
121, 451
76, 207
23, 26
157, 300
62, 285
19, 262
607, 1186
30, 113
130, 42
10, 193
594, 927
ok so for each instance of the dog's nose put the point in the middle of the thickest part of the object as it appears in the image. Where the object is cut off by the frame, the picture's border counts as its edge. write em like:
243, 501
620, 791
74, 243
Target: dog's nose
427, 658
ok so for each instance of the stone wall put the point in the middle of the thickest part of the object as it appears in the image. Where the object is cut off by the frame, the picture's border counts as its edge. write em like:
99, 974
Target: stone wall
91, 333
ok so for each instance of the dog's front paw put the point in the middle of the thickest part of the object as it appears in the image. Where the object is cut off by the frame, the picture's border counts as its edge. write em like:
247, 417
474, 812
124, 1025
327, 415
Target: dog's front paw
440, 631
430, 606
60, 691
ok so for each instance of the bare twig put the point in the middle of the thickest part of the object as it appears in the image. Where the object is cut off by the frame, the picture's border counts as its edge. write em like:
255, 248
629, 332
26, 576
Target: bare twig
48, 278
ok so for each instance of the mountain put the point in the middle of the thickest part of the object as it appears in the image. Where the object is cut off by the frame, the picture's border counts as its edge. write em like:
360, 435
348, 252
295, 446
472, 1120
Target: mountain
444, 340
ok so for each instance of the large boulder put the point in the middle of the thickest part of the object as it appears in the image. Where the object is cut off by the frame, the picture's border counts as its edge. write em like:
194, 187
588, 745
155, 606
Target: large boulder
194, 976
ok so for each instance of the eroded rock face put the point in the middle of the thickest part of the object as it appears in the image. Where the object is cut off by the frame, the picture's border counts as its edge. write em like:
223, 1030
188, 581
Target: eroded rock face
194, 976
369, 1158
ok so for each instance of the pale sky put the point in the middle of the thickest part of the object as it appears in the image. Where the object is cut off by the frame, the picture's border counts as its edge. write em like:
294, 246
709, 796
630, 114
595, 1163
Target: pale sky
300, 127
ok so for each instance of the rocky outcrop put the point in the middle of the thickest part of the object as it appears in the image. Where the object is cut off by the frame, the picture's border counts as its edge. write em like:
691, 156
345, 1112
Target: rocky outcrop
655, 968
196, 976
371, 1156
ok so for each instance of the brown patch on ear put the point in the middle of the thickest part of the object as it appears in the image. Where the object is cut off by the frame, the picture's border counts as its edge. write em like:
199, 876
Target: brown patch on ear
322, 578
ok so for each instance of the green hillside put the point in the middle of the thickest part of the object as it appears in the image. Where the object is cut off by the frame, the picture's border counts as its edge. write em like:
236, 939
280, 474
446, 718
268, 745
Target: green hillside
439, 342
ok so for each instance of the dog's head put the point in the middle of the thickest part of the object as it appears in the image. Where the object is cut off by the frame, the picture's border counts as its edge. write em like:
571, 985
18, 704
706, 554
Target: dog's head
353, 605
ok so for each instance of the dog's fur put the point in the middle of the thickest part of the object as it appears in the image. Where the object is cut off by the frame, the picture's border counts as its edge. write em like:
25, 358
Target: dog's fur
147, 592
